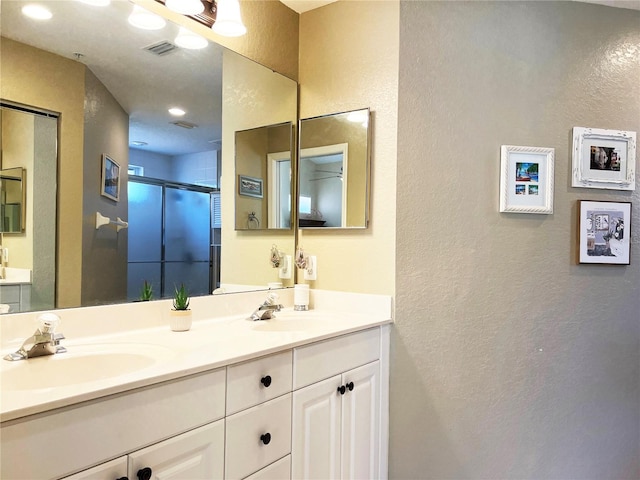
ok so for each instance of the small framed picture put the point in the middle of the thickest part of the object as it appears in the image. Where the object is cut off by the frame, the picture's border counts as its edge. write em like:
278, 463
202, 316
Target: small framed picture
526, 179
605, 228
110, 178
250, 186
603, 159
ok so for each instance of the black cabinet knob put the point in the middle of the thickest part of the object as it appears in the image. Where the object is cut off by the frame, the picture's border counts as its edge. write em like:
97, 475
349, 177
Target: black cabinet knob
266, 438
144, 473
342, 389
266, 380
350, 386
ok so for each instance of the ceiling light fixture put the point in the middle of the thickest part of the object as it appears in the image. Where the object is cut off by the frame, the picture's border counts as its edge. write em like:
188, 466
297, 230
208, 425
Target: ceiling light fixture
146, 20
177, 112
37, 12
185, 7
189, 40
228, 20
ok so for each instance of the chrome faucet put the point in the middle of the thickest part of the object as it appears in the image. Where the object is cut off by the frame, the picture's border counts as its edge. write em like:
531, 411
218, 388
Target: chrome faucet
43, 342
267, 309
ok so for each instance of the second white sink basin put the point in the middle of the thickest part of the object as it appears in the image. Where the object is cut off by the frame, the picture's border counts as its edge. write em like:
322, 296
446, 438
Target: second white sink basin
81, 364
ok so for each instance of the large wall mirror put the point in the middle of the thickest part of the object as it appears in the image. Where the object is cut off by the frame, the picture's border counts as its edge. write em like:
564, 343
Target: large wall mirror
114, 91
333, 179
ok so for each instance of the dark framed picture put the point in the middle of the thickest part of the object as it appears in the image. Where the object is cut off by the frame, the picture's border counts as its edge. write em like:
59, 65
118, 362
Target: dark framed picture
604, 232
604, 159
110, 178
250, 186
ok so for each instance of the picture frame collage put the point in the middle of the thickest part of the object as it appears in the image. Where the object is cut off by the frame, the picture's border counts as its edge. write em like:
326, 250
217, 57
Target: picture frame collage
601, 159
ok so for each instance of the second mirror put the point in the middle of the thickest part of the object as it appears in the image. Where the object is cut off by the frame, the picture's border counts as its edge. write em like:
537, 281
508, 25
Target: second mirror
334, 171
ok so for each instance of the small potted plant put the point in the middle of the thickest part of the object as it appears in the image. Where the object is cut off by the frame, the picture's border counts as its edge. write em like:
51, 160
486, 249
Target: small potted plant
180, 318
146, 293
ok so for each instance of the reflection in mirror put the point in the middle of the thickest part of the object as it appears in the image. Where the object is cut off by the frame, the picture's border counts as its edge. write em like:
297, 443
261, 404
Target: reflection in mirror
29, 146
12, 200
114, 94
263, 172
333, 179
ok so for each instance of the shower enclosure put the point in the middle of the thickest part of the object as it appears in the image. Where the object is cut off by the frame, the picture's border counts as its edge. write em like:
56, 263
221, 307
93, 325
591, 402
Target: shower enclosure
172, 237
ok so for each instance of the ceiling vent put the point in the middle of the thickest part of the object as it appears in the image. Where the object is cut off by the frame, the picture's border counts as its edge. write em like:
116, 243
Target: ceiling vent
184, 124
160, 48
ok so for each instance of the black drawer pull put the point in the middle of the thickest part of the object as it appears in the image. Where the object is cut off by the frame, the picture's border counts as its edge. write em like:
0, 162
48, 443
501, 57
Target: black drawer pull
144, 473
266, 381
266, 438
342, 389
350, 386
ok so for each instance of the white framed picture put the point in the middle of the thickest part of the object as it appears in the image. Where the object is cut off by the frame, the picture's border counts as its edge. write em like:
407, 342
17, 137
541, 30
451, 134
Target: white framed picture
526, 179
603, 159
604, 232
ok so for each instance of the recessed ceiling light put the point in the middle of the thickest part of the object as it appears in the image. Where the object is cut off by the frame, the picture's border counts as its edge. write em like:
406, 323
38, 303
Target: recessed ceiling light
189, 40
37, 12
146, 20
177, 112
138, 143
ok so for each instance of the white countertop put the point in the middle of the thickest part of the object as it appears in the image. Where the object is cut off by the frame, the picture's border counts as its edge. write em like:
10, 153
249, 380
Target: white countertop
211, 343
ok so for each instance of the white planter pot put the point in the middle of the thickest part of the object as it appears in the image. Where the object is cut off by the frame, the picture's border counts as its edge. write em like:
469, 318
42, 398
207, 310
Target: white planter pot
180, 320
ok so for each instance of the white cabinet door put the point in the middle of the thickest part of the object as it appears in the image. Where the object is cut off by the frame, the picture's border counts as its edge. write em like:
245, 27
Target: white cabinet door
195, 455
315, 447
361, 423
336, 435
113, 470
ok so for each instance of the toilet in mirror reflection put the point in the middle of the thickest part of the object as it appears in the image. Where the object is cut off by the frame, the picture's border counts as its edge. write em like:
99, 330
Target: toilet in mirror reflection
333, 178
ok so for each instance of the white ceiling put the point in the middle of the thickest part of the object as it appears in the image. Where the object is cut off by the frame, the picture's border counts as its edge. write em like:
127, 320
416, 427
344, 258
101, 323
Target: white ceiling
144, 84
302, 6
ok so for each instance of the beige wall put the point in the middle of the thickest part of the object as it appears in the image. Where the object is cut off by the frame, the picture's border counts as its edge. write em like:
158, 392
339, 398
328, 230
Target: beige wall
104, 251
271, 99
349, 60
42, 90
508, 359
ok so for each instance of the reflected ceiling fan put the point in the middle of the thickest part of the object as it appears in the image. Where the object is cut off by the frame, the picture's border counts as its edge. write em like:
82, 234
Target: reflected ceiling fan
334, 175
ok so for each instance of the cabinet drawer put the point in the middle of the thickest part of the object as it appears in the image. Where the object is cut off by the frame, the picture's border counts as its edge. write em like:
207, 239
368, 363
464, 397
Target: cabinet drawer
280, 470
257, 381
248, 449
321, 360
195, 454
114, 469
69, 439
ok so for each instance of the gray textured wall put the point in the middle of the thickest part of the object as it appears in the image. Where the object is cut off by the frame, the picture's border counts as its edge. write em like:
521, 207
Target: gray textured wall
104, 251
509, 360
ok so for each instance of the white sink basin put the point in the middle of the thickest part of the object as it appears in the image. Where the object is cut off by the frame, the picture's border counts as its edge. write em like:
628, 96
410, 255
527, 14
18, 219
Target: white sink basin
81, 364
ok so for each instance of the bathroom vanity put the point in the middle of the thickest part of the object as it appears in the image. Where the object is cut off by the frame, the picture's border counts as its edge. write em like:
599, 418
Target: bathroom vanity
304, 395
